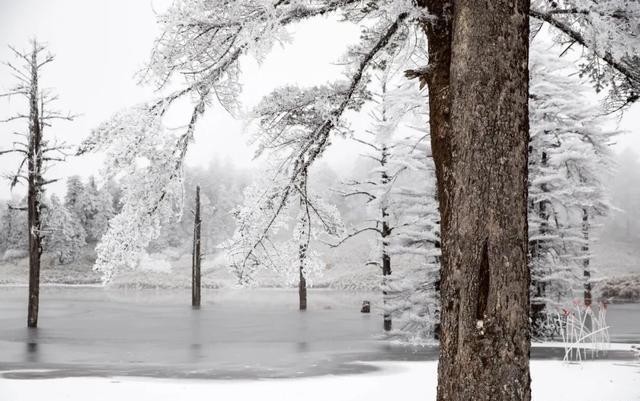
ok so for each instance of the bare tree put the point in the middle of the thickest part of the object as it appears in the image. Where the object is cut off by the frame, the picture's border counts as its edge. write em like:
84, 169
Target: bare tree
35, 153
197, 255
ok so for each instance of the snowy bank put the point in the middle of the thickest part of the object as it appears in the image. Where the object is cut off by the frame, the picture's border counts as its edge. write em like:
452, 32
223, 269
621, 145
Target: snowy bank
552, 380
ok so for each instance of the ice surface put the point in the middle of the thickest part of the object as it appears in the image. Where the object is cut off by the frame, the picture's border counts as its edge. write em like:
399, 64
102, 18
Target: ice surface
237, 334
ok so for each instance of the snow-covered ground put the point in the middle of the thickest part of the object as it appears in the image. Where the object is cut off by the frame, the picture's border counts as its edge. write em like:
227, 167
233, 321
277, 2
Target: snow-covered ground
551, 381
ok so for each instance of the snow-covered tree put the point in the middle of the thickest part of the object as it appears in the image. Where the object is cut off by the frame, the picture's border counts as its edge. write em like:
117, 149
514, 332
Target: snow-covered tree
202, 41
13, 234
609, 33
98, 210
74, 197
278, 237
569, 159
416, 244
93, 206
35, 152
64, 234
399, 192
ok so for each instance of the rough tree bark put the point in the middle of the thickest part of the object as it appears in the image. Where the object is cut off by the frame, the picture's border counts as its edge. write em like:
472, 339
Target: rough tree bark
196, 255
34, 155
478, 87
438, 31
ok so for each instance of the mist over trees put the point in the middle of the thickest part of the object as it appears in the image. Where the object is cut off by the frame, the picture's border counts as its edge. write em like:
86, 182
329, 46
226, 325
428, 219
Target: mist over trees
486, 171
624, 189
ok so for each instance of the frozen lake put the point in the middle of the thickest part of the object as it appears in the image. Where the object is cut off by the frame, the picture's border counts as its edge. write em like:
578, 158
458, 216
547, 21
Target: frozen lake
236, 334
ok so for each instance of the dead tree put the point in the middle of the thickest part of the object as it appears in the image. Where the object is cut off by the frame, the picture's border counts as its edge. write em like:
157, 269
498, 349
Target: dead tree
35, 153
304, 243
196, 255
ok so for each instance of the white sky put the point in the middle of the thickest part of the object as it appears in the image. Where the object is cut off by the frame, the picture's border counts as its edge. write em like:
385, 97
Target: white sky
101, 44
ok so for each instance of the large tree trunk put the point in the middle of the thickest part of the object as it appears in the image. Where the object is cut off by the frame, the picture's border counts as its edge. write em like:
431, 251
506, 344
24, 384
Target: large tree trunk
196, 255
33, 196
478, 84
438, 31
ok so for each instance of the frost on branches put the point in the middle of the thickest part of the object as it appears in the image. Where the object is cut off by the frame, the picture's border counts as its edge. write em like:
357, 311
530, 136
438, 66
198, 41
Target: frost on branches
198, 52
278, 238
200, 44
64, 234
147, 161
569, 157
609, 31
399, 192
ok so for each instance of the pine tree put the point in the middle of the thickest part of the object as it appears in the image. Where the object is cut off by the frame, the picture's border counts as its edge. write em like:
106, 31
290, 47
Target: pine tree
398, 212
97, 210
13, 235
569, 159
64, 234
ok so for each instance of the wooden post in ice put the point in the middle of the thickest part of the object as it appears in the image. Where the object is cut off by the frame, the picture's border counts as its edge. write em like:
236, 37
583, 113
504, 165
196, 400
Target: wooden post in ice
196, 256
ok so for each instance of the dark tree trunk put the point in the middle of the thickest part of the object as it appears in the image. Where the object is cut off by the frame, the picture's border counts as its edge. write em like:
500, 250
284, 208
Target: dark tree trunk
33, 196
585, 263
478, 84
385, 234
436, 286
386, 269
196, 255
302, 283
438, 31
302, 248
538, 253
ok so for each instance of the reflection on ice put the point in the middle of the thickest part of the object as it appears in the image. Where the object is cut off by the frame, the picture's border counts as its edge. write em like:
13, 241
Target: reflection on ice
236, 334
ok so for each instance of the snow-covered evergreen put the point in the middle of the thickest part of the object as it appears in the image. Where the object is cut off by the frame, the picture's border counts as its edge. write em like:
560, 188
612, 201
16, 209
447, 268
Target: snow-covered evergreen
400, 198
64, 235
13, 230
569, 160
609, 32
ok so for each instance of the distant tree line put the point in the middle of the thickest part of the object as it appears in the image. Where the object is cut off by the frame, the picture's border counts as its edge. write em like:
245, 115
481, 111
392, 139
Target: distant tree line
77, 220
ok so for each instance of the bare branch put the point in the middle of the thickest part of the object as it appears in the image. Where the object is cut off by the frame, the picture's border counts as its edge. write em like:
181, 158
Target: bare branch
353, 234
